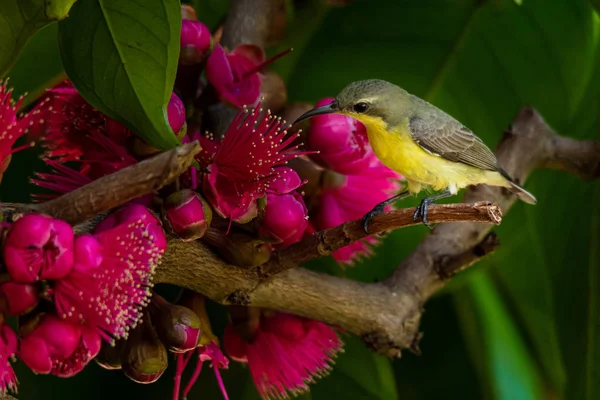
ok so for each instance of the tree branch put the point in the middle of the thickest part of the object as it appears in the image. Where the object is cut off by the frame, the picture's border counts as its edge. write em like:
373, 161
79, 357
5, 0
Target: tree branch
325, 242
127, 184
248, 22
387, 314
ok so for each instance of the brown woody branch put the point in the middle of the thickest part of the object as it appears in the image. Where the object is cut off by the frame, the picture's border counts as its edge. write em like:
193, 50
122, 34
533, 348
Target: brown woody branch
113, 190
325, 242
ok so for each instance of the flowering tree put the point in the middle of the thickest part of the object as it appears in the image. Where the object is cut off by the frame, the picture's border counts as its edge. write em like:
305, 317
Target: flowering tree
170, 206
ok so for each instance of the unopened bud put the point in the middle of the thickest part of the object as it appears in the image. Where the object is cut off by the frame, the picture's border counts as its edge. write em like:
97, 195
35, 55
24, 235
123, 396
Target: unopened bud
110, 356
176, 115
188, 214
238, 248
144, 357
18, 298
284, 218
194, 42
197, 303
177, 327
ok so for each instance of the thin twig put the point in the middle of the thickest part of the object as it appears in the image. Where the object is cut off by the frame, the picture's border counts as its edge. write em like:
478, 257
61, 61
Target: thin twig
127, 184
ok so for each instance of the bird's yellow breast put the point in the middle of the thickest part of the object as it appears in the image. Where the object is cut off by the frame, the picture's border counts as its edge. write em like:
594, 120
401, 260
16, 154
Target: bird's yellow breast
398, 151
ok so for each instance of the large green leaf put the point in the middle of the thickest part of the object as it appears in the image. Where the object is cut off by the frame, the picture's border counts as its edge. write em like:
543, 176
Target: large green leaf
20, 19
122, 57
28, 75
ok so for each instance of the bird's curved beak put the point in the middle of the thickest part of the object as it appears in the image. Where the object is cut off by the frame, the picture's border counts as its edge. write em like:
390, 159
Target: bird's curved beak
327, 109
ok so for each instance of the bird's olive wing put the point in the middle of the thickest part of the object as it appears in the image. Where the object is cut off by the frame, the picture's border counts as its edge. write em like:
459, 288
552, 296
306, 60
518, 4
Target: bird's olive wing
447, 138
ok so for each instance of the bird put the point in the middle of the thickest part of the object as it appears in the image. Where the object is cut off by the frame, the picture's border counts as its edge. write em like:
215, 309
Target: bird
427, 146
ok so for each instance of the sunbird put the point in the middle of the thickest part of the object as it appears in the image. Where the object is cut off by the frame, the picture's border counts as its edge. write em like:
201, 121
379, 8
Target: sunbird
421, 142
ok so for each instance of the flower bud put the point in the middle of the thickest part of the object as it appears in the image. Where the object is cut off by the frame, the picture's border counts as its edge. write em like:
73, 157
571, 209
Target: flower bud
284, 218
58, 347
177, 327
38, 247
176, 114
194, 42
239, 249
18, 298
109, 356
144, 357
274, 92
188, 214
341, 141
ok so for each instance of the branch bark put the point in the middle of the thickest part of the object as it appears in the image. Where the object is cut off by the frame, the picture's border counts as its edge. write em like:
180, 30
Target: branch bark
113, 190
326, 242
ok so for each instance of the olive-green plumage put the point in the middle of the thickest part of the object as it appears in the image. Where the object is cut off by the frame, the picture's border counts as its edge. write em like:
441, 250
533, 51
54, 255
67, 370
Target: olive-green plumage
420, 141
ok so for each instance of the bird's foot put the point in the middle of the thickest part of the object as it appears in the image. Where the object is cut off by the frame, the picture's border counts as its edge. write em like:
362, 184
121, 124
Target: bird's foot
378, 209
421, 212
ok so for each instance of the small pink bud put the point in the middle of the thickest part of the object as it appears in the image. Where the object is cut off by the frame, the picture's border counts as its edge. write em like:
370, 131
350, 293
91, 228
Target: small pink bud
18, 298
188, 213
58, 347
284, 218
8, 348
176, 114
38, 247
194, 42
177, 327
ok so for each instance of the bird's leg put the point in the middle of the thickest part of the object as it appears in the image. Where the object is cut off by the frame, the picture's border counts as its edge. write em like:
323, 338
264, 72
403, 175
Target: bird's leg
378, 209
421, 212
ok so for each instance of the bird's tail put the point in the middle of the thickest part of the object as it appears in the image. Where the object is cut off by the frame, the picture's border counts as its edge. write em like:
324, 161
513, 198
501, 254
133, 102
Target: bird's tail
521, 193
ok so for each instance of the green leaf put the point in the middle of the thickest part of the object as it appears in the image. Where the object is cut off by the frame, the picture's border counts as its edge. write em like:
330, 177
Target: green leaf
511, 367
20, 19
28, 75
122, 57
358, 374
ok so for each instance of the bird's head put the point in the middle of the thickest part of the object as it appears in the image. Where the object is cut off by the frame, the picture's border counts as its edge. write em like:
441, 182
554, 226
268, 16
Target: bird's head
369, 101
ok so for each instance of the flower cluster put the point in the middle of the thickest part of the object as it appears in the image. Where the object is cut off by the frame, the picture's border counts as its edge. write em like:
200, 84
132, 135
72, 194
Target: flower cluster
93, 287
89, 296
354, 180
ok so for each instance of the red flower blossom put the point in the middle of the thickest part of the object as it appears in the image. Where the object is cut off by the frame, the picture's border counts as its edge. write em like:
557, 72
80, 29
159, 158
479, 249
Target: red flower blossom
287, 353
8, 348
243, 166
111, 278
59, 347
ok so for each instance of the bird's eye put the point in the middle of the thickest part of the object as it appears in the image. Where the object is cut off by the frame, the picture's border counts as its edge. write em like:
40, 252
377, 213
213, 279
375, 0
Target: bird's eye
361, 107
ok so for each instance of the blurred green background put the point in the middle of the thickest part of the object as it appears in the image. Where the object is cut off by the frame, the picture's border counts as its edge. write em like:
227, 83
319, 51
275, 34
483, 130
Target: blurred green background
523, 323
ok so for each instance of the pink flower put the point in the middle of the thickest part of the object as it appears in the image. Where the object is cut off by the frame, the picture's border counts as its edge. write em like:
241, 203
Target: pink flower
76, 131
285, 218
38, 247
13, 127
351, 198
110, 281
18, 298
194, 42
188, 214
176, 113
287, 353
243, 167
58, 347
341, 142
235, 75
8, 348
